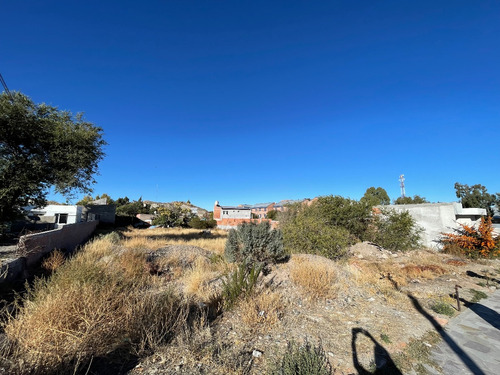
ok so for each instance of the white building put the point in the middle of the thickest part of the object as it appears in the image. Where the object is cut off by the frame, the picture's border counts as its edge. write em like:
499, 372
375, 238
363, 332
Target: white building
58, 214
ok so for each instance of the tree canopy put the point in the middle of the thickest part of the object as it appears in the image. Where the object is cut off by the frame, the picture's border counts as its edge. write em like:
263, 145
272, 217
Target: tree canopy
477, 196
376, 196
416, 199
42, 147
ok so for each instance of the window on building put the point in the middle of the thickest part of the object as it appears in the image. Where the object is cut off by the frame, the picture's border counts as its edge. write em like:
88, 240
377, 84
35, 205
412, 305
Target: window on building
62, 218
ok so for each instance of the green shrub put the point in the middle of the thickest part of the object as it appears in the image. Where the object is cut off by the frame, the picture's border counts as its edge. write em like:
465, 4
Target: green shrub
198, 223
442, 307
306, 234
477, 295
254, 243
305, 230
239, 283
303, 360
395, 230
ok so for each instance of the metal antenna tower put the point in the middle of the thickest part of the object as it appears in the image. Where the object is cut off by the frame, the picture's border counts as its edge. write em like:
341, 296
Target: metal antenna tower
5, 87
402, 184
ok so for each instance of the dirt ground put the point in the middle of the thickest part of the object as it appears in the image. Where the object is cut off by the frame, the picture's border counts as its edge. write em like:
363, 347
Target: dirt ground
379, 300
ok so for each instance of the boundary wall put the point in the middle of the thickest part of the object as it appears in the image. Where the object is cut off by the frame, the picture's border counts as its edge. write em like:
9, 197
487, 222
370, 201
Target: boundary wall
32, 247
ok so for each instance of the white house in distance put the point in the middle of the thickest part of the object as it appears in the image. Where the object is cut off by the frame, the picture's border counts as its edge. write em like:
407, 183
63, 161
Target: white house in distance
58, 214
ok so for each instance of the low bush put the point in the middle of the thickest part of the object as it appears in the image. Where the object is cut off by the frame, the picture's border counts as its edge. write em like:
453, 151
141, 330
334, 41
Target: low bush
197, 223
303, 359
442, 307
254, 243
474, 242
477, 295
239, 283
395, 230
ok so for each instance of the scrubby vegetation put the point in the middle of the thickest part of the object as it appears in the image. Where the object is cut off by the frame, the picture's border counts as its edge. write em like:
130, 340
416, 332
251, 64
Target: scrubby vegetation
330, 225
473, 242
306, 359
99, 302
169, 301
396, 231
254, 243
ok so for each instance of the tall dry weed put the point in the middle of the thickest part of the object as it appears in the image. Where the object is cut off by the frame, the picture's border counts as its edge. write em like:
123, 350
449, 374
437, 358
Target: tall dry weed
316, 275
262, 310
87, 309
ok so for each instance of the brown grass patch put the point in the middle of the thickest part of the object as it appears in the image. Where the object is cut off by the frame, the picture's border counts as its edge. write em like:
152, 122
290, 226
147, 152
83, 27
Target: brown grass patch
317, 276
55, 260
428, 271
159, 237
87, 309
456, 262
262, 310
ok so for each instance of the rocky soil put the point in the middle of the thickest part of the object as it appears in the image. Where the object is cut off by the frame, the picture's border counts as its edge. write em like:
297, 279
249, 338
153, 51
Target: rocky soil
382, 300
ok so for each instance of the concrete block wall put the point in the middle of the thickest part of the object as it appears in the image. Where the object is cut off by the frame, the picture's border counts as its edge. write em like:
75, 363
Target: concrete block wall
68, 237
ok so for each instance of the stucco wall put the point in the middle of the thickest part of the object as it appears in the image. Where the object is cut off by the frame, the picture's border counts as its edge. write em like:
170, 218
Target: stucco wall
436, 218
67, 237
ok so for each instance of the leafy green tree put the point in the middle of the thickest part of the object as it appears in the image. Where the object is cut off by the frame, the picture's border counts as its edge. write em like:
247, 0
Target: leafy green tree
344, 212
376, 196
272, 214
173, 216
43, 147
133, 208
477, 196
86, 200
416, 199
122, 201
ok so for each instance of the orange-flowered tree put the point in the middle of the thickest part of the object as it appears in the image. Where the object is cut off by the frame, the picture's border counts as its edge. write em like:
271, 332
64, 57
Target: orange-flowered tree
475, 242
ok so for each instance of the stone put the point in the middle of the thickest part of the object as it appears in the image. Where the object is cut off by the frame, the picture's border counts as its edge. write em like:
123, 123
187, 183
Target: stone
257, 353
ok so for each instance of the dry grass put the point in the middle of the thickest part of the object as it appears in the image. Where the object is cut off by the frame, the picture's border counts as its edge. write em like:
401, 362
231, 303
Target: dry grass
88, 308
262, 310
159, 237
317, 276
55, 260
196, 280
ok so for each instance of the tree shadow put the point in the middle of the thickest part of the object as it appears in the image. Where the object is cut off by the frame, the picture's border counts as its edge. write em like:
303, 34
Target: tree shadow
383, 361
478, 276
487, 314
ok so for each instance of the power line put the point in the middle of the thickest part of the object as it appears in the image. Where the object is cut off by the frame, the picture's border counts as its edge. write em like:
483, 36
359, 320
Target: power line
5, 87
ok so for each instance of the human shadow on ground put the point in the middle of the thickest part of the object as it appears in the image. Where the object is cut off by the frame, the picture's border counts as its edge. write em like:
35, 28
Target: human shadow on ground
383, 361
451, 343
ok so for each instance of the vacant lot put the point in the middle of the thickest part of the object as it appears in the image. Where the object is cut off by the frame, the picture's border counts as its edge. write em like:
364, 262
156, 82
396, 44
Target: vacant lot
150, 301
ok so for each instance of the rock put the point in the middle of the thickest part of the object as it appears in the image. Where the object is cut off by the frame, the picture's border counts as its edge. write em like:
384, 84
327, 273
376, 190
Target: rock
257, 353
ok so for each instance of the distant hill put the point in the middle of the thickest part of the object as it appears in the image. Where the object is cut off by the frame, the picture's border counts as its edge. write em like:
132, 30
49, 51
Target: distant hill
200, 212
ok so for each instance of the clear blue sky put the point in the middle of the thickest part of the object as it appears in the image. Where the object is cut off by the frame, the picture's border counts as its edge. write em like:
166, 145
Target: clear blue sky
252, 101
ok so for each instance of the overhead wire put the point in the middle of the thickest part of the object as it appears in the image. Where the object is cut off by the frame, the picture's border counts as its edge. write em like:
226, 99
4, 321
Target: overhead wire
5, 87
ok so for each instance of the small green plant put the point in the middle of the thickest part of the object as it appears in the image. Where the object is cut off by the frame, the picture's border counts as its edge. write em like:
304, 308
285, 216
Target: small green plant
303, 359
481, 284
442, 307
385, 338
239, 283
477, 295
254, 243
